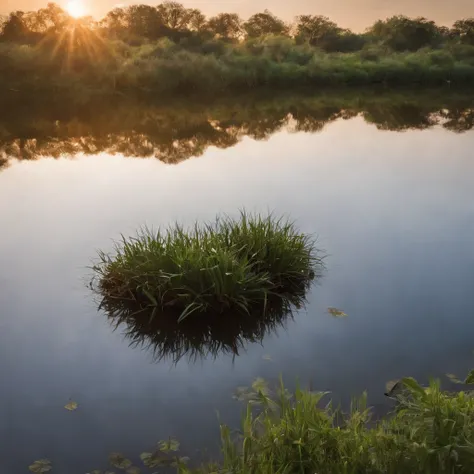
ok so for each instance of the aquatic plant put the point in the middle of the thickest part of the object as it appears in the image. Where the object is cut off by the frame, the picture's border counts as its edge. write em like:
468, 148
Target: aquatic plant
231, 267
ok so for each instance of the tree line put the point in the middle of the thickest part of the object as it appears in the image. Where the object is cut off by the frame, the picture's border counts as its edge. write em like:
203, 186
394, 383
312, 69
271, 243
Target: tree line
136, 24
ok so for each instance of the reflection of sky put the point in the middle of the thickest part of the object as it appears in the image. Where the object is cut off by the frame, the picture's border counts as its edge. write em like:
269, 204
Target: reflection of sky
351, 14
395, 212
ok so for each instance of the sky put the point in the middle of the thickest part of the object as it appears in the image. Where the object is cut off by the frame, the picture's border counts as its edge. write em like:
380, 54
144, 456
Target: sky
355, 14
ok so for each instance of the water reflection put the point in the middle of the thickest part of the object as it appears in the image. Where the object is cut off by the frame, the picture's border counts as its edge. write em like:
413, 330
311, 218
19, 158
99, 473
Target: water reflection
173, 133
201, 335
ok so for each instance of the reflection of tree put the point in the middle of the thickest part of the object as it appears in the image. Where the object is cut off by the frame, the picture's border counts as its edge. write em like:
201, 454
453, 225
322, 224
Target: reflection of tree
201, 335
458, 119
401, 117
175, 133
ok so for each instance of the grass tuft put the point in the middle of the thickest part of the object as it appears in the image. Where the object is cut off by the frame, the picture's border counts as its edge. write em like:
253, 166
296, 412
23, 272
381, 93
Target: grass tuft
231, 266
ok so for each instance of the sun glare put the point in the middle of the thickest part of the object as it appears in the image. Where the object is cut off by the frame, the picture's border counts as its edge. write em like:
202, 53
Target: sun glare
76, 8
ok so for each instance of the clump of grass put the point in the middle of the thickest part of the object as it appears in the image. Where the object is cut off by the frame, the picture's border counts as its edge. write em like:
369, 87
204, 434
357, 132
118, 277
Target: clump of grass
230, 265
432, 431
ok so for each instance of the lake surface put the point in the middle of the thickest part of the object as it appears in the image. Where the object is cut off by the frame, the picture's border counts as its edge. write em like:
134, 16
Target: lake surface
394, 212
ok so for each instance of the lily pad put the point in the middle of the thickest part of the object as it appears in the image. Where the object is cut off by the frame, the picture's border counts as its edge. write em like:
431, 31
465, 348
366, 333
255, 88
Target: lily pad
168, 446
119, 461
41, 466
71, 406
337, 313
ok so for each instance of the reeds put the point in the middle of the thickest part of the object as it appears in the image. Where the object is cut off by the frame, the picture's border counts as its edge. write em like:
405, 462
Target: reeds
230, 267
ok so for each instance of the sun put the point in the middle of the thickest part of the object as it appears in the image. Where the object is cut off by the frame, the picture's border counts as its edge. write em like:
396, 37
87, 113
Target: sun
76, 8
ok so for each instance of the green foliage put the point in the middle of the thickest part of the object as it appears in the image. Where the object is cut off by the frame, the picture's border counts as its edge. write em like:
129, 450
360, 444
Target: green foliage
236, 265
262, 24
405, 34
431, 431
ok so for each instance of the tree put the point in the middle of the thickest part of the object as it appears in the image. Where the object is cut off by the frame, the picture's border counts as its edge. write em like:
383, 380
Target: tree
115, 22
226, 25
318, 31
15, 28
264, 23
144, 20
401, 33
197, 20
174, 15
463, 31
52, 19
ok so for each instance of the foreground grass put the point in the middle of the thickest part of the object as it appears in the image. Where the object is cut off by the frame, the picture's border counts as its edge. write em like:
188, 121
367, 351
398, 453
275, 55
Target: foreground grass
431, 431
232, 265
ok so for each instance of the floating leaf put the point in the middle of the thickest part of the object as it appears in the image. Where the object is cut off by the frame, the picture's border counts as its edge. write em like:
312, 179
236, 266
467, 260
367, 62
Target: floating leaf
267, 357
470, 378
71, 406
133, 470
41, 466
392, 387
454, 378
151, 459
240, 393
337, 313
119, 461
260, 385
167, 446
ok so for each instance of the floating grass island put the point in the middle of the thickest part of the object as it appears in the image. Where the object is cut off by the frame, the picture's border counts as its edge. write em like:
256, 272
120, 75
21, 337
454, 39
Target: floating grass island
238, 267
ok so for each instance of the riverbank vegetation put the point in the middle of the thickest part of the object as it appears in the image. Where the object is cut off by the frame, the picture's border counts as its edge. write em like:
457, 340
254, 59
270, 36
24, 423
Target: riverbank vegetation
142, 50
229, 268
176, 130
430, 431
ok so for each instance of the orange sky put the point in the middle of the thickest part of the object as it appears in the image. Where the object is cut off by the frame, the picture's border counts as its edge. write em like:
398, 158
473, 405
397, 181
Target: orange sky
356, 14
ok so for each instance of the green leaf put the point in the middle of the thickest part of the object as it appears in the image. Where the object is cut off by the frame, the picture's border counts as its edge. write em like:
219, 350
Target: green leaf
337, 313
470, 378
41, 466
167, 446
71, 406
119, 461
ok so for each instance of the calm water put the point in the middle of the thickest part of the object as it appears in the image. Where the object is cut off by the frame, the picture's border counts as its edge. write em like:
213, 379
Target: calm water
394, 211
